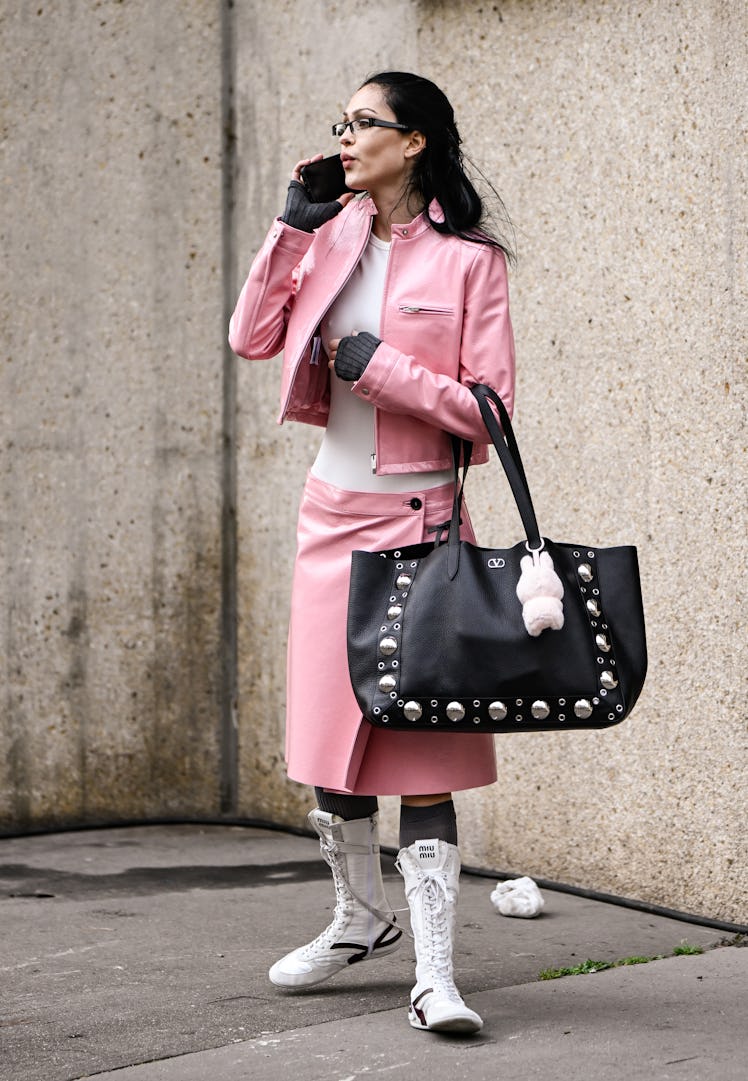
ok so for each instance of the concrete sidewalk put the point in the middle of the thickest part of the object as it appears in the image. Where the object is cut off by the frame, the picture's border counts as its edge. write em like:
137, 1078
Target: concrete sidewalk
140, 954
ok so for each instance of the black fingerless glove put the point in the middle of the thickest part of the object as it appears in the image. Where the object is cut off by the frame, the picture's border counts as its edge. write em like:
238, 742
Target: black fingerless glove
302, 213
354, 353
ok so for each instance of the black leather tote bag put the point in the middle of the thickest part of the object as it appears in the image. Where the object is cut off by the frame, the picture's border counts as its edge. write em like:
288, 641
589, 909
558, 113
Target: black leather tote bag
436, 636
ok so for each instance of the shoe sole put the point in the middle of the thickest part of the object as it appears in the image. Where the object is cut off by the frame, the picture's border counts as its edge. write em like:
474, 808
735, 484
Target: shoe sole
462, 1025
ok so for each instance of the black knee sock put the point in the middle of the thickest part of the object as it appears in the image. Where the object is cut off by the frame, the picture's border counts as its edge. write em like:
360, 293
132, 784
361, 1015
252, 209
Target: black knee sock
419, 823
346, 807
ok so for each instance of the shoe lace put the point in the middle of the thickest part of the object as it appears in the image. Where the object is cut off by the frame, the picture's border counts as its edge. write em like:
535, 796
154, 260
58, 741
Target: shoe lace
346, 894
343, 902
433, 894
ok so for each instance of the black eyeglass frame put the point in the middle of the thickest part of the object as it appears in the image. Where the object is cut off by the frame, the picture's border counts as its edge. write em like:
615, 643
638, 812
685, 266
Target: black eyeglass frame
338, 129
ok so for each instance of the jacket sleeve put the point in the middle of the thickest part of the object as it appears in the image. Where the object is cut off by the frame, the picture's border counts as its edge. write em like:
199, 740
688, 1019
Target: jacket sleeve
398, 383
257, 329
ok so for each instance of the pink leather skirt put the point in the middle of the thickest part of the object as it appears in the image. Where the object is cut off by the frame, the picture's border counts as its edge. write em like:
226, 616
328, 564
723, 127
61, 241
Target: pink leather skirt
328, 743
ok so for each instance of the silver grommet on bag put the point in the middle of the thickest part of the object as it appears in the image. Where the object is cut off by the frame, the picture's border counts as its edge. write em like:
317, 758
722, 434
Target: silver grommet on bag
394, 611
585, 572
388, 645
608, 680
540, 710
412, 711
583, 709
497, 711
387, 683
455, 711
403, 581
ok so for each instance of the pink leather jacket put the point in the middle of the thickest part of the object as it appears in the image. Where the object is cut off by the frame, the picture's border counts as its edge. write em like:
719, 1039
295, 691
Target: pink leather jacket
444, 326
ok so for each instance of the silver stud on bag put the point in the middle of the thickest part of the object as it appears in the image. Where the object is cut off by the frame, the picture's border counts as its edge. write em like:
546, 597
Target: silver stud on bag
585, 572
497, 711
608, 680
387, 683
394, 611
388, 645
583, 709
455, 711
412, 711
602, 643
540, 710
403, 581
593, 608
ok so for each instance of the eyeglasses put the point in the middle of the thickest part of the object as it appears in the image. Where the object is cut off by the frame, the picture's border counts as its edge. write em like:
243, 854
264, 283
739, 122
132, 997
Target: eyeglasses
362, 123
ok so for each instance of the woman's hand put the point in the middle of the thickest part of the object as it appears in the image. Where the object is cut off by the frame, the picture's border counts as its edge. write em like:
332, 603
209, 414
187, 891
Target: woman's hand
301, 212
350, 359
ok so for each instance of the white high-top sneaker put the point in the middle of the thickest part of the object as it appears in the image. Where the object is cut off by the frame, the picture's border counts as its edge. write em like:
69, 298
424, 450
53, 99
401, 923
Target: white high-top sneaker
431, 870
361, 927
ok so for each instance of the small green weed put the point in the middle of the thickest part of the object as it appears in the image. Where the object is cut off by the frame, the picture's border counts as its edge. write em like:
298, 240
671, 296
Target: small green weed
589, 965
576, 970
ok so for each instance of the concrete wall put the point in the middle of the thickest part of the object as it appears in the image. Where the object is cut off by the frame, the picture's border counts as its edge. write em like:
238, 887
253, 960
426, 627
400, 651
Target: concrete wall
111, 317
610, 129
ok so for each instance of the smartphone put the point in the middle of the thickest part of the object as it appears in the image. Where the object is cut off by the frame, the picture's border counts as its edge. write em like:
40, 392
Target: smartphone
325, 179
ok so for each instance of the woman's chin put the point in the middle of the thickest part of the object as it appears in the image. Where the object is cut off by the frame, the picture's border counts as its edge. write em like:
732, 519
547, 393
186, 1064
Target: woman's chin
353, 182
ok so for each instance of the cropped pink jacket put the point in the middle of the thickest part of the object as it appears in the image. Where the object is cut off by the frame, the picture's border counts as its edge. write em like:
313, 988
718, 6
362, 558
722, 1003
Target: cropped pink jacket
444, 326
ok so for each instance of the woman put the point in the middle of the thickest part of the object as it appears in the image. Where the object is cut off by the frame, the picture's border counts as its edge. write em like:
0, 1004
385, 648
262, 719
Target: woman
389, 305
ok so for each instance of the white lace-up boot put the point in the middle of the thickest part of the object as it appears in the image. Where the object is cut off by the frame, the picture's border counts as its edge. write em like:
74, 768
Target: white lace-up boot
361, 927
431, 871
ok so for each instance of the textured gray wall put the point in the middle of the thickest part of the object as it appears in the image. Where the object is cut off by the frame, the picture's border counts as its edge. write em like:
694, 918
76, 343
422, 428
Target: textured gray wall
110, 398
611, 130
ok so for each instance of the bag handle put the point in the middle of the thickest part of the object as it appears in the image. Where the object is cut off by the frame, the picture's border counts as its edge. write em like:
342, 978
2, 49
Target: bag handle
505, 443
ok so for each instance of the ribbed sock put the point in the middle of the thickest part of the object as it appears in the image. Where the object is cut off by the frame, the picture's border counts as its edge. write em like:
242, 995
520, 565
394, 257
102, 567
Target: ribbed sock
418, 823
346, 807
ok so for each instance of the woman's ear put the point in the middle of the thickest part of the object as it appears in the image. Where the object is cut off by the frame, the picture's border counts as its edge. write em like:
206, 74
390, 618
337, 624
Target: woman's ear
415, 144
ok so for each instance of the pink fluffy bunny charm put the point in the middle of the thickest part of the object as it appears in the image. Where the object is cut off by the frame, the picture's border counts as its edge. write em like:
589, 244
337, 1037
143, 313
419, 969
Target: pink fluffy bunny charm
540, 590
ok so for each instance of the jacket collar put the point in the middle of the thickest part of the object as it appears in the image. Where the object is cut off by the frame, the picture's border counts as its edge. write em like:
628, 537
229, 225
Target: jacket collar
408, 230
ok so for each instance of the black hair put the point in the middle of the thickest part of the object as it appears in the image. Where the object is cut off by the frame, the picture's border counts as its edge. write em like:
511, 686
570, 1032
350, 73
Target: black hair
439, 171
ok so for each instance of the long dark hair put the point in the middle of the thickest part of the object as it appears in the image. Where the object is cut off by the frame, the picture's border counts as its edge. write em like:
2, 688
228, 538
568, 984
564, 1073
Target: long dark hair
439, 171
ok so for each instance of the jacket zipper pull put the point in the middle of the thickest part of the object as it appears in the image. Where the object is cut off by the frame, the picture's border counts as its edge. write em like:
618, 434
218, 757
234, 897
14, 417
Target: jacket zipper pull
316, 346
374, 462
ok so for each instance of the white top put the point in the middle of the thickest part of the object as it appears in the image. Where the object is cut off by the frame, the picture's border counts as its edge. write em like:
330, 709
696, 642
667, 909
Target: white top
346, 455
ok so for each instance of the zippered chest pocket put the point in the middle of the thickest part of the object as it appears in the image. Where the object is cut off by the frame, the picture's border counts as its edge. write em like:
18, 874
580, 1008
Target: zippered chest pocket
417, 308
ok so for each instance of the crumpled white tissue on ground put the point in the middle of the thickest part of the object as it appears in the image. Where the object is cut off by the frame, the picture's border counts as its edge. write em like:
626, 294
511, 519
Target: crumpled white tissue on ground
518, 897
